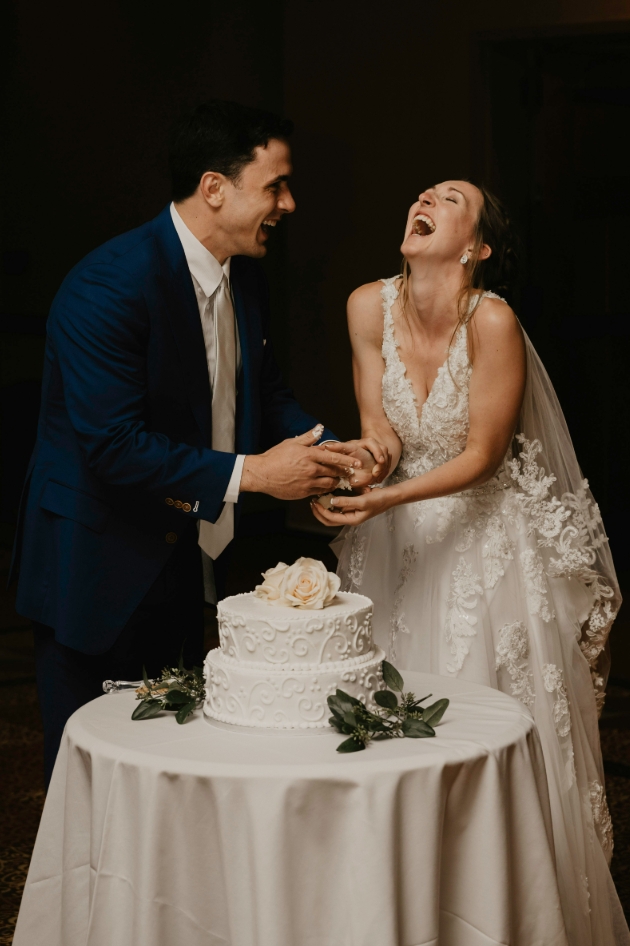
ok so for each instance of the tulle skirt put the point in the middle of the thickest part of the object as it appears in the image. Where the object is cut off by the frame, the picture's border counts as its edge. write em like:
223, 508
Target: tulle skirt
461, 587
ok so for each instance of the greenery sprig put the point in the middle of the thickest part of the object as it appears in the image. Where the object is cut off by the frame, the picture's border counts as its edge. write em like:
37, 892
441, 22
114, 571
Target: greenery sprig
392, 720
178, 690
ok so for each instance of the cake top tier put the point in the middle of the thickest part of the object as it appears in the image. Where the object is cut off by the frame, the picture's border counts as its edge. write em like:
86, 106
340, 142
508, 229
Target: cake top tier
253, 632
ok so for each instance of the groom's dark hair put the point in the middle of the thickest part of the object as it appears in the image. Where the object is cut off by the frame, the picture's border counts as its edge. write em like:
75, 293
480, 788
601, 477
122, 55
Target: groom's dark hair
219, 136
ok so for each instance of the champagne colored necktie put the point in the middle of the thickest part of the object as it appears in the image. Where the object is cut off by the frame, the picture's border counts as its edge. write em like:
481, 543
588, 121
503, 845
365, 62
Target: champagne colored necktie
213, 537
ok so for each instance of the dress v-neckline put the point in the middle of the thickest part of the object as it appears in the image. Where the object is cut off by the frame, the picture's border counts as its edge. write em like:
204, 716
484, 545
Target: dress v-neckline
409, 382
405, 377
418, 410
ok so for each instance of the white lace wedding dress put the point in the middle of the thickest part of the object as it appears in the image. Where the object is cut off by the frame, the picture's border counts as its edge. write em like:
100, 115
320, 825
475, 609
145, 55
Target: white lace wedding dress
510, 585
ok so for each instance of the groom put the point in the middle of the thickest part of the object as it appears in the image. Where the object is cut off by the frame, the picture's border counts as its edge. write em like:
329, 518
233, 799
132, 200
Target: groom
160, 388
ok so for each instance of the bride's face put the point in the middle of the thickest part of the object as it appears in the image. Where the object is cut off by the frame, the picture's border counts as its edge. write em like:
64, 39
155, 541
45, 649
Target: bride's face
441, 224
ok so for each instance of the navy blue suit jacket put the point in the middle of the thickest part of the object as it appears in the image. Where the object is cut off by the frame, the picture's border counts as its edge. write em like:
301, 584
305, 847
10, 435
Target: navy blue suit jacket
126, 423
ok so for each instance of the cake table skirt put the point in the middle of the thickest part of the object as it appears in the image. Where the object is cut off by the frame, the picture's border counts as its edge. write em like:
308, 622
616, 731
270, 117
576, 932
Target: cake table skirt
155, 834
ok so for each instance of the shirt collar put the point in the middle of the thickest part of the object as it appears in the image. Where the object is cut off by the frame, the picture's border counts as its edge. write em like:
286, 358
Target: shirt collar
202, 264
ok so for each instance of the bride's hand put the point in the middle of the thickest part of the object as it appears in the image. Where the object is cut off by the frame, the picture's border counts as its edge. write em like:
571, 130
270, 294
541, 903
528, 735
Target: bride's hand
353, 510
374, 456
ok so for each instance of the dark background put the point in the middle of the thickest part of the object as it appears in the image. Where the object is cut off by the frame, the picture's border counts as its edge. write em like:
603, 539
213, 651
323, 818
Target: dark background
388, 98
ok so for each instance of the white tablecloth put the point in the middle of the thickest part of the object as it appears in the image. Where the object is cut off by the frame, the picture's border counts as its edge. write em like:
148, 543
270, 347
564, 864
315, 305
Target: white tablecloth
156, 834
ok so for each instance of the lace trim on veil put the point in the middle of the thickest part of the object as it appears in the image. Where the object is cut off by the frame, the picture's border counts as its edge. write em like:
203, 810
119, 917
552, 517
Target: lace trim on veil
562, 512
571, 527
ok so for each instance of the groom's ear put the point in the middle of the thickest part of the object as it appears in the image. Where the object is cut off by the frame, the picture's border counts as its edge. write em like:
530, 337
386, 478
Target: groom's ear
212, 187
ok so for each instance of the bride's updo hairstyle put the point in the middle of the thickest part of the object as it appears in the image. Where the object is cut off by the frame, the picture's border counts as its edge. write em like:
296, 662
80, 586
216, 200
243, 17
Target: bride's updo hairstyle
498, 273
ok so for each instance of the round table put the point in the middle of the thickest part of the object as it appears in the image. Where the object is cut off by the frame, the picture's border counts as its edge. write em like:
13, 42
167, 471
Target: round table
156, 834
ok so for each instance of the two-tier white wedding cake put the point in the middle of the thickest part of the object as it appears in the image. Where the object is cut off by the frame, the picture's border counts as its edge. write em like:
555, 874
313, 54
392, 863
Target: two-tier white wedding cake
289, 645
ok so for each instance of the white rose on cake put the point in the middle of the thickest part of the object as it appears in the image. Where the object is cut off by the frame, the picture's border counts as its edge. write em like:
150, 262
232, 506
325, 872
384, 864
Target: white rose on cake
272, 580
306, 584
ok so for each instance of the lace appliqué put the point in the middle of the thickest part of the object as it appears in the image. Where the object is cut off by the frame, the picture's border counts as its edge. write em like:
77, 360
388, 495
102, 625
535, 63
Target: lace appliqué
601, 817
587, 894
460, 624
397, 624
535, 585
512, 649
571, 527
399, 400
554, 683
356, 564
496, 551
419, 513
476, 510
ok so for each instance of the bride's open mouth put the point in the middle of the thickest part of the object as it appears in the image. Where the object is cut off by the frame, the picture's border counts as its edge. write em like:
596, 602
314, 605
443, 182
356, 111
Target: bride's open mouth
422, 225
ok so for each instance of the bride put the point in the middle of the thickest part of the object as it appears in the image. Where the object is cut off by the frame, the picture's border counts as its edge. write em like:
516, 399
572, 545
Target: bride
484, 552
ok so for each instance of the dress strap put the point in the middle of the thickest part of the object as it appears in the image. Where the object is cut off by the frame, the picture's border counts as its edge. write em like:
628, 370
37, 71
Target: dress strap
389, 294
492, 295
477, 299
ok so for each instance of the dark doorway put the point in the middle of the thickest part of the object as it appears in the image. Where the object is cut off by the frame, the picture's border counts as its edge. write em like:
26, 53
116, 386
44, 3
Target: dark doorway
554, 140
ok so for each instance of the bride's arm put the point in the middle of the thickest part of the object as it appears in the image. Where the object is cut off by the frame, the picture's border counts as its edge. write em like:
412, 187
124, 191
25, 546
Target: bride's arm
365, 325
496, 392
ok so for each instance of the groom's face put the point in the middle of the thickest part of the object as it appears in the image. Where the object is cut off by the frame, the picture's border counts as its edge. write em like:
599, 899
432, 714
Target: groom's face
258, 199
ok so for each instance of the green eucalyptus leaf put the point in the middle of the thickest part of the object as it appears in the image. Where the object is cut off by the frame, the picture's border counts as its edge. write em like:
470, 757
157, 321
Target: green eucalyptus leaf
346, 698
335, 705
147, 709
417, 728
337, 698
184, 712
434, 713
345, 708
145, 677
386, 699
177, 696
345, 717
350, 745
391, 677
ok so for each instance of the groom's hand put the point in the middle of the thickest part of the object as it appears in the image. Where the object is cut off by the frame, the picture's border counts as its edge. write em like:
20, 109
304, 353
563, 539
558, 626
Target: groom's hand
374, 458
295, 468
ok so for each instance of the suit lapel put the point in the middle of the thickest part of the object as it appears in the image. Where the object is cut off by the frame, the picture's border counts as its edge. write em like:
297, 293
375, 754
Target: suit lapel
183, 314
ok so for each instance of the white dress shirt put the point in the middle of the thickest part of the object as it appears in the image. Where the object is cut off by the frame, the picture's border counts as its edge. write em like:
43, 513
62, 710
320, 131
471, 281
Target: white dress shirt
207, 273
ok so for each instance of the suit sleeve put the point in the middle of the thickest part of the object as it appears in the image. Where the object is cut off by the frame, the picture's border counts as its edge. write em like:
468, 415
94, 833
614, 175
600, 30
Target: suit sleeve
99, 330
282, 415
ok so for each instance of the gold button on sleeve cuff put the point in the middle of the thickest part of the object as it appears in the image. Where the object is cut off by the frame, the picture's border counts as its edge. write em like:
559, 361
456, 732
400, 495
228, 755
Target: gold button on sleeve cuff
169, 501
171, 537
186, 507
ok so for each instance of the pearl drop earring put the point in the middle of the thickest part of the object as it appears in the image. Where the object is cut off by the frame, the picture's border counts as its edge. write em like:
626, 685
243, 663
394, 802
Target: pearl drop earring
464, 259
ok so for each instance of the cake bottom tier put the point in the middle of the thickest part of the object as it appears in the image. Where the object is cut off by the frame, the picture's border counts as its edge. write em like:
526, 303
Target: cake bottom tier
281, 699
